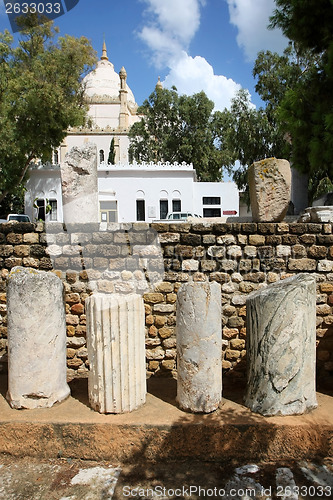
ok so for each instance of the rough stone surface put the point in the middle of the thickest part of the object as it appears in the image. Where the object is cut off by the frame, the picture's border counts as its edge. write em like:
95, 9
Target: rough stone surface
36, 339
277, 250
199, 347
79, 185
281, 345
270, 185
116, 352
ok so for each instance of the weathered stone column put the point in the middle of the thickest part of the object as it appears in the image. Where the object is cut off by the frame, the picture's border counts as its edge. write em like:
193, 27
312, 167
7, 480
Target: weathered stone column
270, 188
116, 352
199, 347
281, 347
80, 185
36, 339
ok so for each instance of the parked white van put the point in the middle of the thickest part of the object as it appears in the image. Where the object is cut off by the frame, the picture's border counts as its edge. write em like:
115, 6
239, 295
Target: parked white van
180, 215
18, 217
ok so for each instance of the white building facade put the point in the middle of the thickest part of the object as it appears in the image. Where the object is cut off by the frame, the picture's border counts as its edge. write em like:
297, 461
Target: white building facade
126, 192
135, 192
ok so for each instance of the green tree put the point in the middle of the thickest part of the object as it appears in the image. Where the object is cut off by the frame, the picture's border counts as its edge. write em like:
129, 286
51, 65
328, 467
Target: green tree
41, 95
112, 153
246, 134
306, 110
177, 128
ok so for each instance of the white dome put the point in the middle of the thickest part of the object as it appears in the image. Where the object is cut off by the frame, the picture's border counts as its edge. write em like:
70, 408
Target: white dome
104, 81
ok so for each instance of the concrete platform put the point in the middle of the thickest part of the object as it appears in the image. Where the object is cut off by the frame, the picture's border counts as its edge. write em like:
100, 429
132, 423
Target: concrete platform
159, 431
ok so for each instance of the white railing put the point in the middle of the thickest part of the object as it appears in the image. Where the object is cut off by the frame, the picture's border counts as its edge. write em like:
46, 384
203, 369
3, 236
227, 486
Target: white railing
147, 166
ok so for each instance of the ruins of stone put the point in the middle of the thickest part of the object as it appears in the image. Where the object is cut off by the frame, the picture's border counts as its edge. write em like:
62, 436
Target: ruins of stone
80, 185
116, 351
199, 347
270, 188
281, 347
317, 214
36, 339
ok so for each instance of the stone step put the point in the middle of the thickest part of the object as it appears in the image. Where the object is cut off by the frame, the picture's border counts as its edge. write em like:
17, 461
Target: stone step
160, 431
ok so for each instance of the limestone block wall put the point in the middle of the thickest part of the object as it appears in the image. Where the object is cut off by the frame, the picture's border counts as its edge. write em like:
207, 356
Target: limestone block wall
242, 257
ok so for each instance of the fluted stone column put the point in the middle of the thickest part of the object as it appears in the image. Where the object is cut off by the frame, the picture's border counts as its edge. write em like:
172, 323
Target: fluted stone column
281, 347
116, 352
36, 339
199, 347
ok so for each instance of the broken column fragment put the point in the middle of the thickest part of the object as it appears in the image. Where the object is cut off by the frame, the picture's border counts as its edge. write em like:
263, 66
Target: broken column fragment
36, 339
270, 189
80, 185
116, 352
199, 347
281, 347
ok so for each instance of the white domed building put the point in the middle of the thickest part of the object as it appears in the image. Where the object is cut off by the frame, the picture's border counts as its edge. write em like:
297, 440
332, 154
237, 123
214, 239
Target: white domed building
126, 192
112, 111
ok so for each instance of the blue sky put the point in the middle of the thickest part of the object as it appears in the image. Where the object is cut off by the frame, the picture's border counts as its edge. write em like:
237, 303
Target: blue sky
195, 45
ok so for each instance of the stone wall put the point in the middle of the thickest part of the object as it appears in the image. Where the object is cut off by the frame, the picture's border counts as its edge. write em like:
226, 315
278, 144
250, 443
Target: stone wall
242, 257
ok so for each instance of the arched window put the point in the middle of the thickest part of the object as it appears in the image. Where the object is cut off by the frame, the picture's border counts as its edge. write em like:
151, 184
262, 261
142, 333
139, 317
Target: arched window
164, 204
55, 157
101, 155
140, 210
176, 201
53, 207
140, 206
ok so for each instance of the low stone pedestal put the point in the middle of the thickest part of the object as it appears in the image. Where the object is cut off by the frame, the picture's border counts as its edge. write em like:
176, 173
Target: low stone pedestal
199, 347
281, 347
36, 339
116, 352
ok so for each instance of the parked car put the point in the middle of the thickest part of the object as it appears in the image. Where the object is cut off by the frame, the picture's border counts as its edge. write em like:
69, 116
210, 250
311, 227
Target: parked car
181, 215
18, 218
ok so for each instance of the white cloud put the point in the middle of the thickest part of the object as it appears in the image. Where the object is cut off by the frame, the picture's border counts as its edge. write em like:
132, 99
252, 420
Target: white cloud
193, 74
161, 44
179, 18
170, 26
251, 17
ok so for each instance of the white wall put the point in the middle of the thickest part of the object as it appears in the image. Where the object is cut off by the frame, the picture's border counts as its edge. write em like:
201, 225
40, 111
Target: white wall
105, 114
226, 191
43, 183
126, 185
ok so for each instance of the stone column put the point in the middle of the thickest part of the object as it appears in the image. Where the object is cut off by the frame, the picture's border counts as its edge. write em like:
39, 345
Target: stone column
116, 352
281, 347
199, 347
270, 187
80, 185
36, 339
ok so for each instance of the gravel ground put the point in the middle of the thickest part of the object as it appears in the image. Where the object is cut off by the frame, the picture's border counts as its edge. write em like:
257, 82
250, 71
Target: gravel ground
72, 479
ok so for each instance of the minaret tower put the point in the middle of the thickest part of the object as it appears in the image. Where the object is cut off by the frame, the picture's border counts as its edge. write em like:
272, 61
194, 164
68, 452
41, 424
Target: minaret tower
104, 53
159, 84
123, 116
